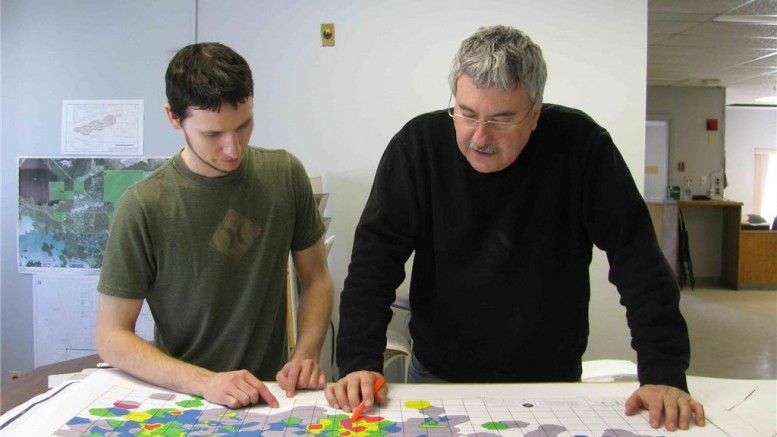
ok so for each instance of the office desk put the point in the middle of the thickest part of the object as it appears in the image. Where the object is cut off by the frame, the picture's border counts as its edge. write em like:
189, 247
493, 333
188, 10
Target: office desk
729, 238
36, 381
666, 223
733, 408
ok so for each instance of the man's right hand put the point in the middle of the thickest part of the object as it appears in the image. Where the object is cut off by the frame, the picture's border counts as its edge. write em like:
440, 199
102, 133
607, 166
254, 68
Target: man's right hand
236, 389
347, 393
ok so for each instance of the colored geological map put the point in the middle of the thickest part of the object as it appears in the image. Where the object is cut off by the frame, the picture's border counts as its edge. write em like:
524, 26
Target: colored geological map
125, 412
66, 206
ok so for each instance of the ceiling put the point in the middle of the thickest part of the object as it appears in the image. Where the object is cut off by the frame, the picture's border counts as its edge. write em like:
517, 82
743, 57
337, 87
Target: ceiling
727, 43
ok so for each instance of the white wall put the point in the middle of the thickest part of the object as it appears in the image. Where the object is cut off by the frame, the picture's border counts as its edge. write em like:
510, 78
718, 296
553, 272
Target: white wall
52, 51
747, 129
335, 108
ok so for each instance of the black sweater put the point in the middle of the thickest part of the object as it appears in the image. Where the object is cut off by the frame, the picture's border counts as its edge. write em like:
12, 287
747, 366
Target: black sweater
500, 285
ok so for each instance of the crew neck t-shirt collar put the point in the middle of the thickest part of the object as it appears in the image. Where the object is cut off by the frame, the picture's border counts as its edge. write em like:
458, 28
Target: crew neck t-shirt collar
230, 179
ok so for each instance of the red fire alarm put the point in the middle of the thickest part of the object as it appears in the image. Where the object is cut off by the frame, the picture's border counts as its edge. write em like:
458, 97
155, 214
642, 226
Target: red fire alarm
712, 124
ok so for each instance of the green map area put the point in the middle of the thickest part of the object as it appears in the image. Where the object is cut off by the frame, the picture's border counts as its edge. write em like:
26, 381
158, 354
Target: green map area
66, 207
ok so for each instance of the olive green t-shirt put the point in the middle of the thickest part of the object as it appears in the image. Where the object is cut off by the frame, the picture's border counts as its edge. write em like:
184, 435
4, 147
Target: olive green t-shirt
210, 255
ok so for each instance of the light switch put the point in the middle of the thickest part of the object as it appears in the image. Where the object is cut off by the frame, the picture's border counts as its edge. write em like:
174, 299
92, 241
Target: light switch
327, 34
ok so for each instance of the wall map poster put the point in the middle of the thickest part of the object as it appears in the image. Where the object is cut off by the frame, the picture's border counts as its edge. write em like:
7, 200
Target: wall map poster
102, 127
66, 206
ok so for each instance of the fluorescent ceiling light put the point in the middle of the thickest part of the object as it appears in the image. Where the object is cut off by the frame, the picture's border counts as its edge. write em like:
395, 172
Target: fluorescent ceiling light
748, 19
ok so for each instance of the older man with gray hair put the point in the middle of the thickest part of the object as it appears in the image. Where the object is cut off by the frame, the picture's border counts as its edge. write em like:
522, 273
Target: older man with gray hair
502, 198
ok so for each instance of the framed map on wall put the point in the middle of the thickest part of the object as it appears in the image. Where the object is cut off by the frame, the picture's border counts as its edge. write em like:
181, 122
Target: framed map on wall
66, 207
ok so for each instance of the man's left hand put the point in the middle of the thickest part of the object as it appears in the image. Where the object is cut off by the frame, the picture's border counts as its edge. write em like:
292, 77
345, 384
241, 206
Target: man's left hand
662, 400
300, 374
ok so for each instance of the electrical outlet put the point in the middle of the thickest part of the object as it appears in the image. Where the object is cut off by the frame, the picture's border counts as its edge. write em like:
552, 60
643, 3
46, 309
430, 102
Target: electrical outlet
15, 374
688, 181
704, 180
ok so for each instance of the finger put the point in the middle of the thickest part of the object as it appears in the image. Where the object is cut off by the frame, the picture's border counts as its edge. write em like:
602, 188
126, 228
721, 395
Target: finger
307, 376
684, 411
315, 377
368, 392
280, 378
655, 410
232, 402
321, 380
698, 411
331, 397
354, 392
341, 391
670, 413
250, 391
240, 396
293, 378
267, 396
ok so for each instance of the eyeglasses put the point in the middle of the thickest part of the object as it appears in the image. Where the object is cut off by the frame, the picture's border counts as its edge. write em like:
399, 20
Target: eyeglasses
472, 123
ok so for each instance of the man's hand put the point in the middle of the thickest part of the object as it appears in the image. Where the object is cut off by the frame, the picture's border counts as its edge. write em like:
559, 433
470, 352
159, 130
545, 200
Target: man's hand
237, 389
347, 393
661, 400
300, 374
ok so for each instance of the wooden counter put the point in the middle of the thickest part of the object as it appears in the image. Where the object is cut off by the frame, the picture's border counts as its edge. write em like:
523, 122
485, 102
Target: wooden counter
666, 222
757, 258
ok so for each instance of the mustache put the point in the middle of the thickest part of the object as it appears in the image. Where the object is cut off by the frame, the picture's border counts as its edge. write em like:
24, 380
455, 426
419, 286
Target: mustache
471, 145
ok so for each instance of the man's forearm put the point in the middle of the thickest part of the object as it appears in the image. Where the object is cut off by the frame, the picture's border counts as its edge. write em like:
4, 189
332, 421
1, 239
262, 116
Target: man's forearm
132, 354
314, 316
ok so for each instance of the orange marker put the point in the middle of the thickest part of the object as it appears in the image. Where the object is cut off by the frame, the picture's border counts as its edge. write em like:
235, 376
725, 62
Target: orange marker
375, 389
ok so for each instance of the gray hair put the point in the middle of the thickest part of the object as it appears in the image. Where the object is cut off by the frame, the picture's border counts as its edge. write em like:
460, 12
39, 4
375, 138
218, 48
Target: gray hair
501, 56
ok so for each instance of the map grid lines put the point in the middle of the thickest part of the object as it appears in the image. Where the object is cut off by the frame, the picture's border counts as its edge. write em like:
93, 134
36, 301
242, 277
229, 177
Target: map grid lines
120, 411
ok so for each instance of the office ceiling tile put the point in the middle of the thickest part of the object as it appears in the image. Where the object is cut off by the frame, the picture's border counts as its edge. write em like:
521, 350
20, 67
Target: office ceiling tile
688, 47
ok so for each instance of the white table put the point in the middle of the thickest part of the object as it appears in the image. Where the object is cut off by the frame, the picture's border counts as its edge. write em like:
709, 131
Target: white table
733, 407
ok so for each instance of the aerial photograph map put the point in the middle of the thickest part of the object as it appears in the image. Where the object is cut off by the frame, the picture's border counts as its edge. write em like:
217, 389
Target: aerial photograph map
66, 206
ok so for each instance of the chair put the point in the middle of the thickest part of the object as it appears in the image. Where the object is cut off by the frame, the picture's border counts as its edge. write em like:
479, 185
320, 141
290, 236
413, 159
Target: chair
684, 255
398, 345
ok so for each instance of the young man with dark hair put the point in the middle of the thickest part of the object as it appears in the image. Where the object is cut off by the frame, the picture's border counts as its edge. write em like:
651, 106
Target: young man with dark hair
205, 241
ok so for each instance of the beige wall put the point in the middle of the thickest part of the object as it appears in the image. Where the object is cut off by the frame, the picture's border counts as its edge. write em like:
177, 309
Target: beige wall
687, 109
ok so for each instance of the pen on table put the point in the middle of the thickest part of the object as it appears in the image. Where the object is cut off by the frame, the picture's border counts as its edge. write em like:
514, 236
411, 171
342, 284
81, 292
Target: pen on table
375, 389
